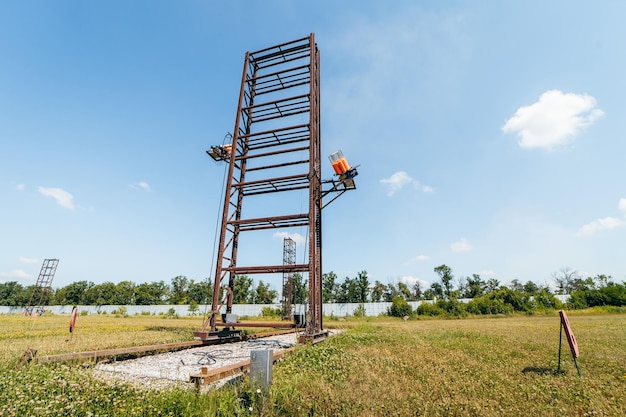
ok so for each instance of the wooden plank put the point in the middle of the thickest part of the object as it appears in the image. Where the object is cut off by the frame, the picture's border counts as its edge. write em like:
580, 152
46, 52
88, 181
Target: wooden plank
206, 377
109, 353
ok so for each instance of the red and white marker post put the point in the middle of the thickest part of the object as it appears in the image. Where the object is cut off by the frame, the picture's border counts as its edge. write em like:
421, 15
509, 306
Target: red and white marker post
571, 340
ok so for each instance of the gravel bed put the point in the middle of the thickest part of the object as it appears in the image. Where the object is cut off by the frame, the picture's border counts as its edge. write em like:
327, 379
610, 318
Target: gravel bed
172, 369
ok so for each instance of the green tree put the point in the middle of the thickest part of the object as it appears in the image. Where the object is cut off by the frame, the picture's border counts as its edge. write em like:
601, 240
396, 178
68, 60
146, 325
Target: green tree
446, 277
492, 285
179, 288
516, 285
200, 292
300, 289
400, 308
151, 293
193, 308
348, 291
603, 280
24, 296
101, 294
531, 288
404, 290
363, 287
241, 291
417, 291
11, 294
544, 299
73, 293
391, 293
611, 295
474, 287
329, 287
125, 293
378, 290
436, 289
518, 300
429, 294
564, 280
263, 294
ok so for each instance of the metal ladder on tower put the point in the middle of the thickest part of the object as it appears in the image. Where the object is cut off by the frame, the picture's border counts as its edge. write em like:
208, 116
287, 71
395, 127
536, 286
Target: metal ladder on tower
43, 287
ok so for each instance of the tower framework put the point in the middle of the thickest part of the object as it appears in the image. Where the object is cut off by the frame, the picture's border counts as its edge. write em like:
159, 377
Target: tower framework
289, 258
43, 287
275, 155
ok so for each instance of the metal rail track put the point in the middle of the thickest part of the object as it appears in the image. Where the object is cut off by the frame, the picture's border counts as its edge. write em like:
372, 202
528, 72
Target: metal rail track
97, 355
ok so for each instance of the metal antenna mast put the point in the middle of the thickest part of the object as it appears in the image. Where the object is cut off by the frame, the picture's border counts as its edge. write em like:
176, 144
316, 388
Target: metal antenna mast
275, 155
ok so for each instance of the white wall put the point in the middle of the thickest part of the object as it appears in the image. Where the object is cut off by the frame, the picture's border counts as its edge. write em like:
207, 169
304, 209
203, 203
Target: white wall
339, 310
335, 309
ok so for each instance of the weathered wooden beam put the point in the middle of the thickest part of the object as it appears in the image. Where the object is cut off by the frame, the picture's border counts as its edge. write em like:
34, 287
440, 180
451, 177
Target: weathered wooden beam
135, 350
109, 353
206, 376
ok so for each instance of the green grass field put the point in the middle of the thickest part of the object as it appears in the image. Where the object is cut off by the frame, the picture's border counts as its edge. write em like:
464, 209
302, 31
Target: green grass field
378, 367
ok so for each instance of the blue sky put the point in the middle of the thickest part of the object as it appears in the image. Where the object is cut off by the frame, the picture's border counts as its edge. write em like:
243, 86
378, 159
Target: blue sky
489, 135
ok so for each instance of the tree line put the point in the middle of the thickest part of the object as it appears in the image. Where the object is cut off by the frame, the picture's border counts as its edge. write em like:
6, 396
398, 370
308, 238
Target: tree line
180, 290
488, 295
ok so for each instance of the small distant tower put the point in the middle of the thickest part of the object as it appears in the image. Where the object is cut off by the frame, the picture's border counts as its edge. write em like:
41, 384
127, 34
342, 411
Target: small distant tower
43, 287
289, 258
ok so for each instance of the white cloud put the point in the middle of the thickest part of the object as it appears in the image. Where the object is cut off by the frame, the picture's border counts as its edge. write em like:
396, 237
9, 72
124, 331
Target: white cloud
411, 280
62, 197
461, 245
141, 185
487, 273
553, 120
28, 260
297, 237
421, 258
15, 274
20, 187
606, 223
399, 180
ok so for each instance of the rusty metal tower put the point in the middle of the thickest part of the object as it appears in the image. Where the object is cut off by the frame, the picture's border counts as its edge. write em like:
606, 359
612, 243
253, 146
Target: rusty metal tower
289, 258
43, 287
275, 154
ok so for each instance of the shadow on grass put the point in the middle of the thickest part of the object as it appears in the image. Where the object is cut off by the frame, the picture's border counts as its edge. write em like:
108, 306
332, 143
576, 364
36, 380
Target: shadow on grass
542, 371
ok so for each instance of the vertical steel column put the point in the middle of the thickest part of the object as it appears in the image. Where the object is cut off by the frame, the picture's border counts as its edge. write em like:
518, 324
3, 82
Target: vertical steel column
229, 237
314, 322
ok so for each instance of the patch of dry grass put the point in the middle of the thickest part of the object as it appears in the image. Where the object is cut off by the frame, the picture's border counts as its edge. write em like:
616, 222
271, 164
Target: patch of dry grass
377, 367
486, 367
49, 334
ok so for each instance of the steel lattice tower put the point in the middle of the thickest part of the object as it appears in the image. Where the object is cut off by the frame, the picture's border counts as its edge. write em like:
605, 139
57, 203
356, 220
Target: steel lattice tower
43, 287
275, 151
289, 258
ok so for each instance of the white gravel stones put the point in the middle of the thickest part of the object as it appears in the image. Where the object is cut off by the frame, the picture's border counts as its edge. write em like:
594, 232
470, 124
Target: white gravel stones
166, 370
